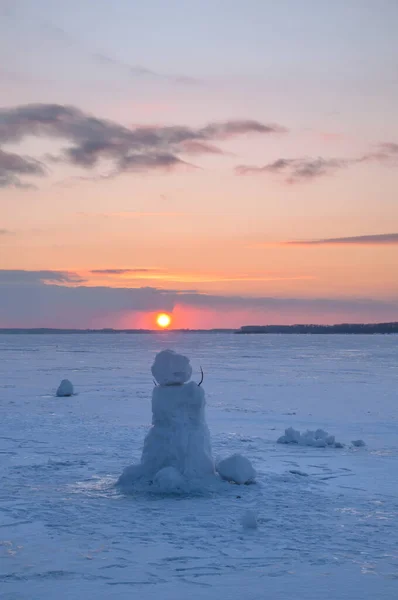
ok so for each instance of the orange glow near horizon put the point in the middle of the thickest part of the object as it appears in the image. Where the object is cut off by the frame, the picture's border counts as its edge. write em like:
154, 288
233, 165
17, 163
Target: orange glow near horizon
163, 320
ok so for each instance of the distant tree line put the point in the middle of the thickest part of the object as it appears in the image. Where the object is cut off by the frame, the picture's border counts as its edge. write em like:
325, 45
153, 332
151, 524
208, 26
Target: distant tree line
343, 328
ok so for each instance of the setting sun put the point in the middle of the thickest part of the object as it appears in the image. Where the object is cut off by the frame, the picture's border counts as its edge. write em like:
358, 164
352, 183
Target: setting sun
163, 320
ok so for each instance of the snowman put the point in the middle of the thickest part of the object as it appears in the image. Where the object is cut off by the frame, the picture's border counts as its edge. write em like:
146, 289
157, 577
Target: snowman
177, 446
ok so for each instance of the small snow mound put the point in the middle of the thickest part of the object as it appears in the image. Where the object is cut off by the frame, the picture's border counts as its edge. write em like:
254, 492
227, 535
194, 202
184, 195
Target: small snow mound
317, 439
130, 475
236, 469
249, 520
169, 480
358, 443
65, 388
171, 368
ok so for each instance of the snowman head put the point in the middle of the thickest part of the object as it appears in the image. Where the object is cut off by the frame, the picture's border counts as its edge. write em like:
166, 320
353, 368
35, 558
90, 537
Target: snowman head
171, 368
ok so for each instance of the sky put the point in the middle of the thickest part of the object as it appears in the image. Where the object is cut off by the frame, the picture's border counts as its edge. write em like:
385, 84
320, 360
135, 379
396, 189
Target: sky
229, 162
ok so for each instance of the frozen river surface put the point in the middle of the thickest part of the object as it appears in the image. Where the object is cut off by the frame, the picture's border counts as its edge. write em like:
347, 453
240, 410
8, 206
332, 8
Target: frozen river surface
327, 517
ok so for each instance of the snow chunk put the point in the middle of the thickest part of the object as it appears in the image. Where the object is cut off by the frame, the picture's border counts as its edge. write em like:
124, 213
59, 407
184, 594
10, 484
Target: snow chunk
130, 475
171, 368
169, 480
65, 388
249, 520
291, 437
236, 469
358, 443
317, 439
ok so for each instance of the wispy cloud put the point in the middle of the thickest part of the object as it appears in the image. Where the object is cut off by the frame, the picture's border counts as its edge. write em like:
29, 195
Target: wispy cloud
381, 239
12, 167
6, 232
60, 35
170, 277
389, 148
133, 214
92, 140
296, 170
22, 276
195, 147
122, 271
141, 71
228, 129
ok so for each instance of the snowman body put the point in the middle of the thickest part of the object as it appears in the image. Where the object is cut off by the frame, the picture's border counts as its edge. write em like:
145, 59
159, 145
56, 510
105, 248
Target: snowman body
179, 436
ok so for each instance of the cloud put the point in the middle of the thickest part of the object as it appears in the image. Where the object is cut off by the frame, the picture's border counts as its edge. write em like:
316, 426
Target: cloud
122, 271
91, 140
13, 166
141, 71
133, 214
228, 129
59, 34
173, 277
153, 161
21, 277
359, 240
196, 147
295, 170
389, 148
5, 232
46, 303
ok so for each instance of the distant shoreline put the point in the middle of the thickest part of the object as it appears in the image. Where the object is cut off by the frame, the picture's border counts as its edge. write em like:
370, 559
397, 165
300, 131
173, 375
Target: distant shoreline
45, 331
343, 328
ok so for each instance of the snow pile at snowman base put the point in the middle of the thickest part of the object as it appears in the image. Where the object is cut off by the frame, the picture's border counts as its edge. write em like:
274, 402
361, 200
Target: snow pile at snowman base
236, 469
317, 439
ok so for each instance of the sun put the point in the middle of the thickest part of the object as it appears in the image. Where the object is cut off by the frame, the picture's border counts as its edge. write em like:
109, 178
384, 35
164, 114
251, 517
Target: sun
163, 320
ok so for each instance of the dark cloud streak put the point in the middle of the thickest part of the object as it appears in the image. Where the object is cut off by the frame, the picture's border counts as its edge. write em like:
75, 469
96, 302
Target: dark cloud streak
12, 166
91, 140
23, 277
360, 240
296, 170
122, 271
142, 72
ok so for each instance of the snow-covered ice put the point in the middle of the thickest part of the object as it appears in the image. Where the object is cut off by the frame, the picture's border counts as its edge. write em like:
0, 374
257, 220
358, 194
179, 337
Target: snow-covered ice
67, 532
65, 388
236, 469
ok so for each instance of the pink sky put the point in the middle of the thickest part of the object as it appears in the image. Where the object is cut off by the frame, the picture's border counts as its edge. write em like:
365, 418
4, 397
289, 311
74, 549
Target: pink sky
254, 141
